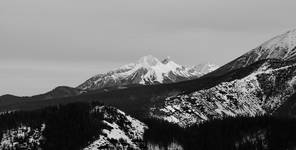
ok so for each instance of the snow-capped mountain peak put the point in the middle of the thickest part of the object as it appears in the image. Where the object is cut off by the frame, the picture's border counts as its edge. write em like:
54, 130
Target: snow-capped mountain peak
154, 66
148, 70
149, 60
166, 60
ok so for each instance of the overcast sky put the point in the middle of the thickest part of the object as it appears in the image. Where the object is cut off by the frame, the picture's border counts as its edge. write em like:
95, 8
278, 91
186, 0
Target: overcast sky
46, 43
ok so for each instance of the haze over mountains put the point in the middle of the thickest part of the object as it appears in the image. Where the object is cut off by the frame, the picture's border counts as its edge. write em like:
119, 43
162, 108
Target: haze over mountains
164, 94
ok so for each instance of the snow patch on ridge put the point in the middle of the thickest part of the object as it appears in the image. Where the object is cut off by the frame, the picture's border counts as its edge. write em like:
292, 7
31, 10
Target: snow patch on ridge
123, 131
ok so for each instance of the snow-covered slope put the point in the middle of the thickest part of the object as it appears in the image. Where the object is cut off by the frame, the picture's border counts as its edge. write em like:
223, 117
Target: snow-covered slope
263, 91
147, 71
23, 137
281, 47
122, 131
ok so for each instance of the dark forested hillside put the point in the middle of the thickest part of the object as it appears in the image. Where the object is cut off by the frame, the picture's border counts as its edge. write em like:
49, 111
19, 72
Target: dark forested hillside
232, 133
73, 126
67, 127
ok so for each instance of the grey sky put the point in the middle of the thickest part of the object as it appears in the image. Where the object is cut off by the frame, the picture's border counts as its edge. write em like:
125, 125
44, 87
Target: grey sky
46, 43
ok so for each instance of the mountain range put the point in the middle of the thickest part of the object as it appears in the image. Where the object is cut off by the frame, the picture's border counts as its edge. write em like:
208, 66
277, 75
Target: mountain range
159, 94
147, 71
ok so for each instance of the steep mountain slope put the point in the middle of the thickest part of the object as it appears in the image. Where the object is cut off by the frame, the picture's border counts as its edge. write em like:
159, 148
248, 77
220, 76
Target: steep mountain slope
281, 47
147, 71
265, 90
262, 91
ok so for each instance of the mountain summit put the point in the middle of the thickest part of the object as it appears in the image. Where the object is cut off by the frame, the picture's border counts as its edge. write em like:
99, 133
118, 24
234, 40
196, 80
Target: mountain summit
149, 60
147, 71
281, 47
